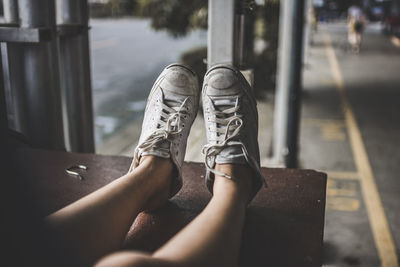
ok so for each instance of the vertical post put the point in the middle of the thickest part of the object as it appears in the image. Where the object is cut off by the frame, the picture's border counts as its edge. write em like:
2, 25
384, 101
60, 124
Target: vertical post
40, 92
244, 34
287, 99
307, 29
221, 18
75, 74
4, 157
10, 11
292, 137
230, 34
11, 69
3, 113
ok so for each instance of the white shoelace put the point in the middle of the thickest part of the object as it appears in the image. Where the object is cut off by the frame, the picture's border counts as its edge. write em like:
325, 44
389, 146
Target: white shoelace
170, 124
230, 124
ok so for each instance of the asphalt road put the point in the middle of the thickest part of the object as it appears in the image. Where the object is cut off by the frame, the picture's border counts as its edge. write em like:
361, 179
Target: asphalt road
362, 155
127, 56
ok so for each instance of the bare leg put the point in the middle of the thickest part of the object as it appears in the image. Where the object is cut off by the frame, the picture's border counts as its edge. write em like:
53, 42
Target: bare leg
211, 239
358, 38
97, 224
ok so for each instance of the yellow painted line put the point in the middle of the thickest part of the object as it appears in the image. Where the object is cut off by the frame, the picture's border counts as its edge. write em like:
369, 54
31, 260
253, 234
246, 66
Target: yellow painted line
376, 213
343, 175
321, 121
343, 195
332, 130
343, 204
342, 188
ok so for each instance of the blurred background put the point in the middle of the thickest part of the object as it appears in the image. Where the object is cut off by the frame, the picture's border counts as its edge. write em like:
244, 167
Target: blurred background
132, 41
323, 103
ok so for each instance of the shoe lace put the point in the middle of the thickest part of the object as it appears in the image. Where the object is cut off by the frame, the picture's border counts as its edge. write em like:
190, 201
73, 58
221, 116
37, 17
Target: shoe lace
226, 125
169, 125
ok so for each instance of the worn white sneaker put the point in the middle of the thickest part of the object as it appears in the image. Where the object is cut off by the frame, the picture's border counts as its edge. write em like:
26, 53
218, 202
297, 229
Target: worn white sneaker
231, 120
170, 111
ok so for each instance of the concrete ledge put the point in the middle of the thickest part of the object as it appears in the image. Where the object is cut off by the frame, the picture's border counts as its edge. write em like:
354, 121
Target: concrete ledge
284, 222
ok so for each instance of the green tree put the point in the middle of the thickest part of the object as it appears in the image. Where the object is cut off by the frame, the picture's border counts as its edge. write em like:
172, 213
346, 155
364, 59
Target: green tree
123, 7
177, 17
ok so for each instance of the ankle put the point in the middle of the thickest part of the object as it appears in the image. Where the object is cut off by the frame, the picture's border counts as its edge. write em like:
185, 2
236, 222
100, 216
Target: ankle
154, 175
154, 164
239, 186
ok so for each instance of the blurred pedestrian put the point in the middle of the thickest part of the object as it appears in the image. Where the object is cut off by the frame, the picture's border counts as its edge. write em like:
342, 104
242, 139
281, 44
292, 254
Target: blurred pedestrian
356, 24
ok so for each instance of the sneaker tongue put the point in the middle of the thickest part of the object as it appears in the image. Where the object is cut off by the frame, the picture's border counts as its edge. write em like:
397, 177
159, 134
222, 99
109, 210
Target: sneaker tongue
224, 104
173, 100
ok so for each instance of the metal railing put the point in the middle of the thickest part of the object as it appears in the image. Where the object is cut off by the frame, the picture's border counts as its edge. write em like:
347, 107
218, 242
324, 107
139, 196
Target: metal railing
47, 72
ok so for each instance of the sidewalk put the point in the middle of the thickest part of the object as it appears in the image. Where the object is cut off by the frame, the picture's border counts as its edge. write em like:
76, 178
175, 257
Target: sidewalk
348, 127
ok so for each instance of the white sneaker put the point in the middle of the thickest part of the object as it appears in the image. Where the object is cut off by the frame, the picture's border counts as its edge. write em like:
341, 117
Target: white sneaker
170, 111
231, 120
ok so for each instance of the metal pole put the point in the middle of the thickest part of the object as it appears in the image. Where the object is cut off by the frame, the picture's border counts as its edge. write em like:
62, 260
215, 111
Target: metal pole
11, 69
3, 111
40, 78
244, 34
292, 137
4, 144
10, 8
287, 99
221, 18
75, 74
307, 29
281, 95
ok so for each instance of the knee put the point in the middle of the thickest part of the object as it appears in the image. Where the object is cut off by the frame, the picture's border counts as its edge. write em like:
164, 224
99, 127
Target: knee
124, 259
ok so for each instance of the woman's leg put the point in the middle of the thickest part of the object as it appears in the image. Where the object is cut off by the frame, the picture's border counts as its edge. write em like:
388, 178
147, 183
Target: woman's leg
97, 224
212, 238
